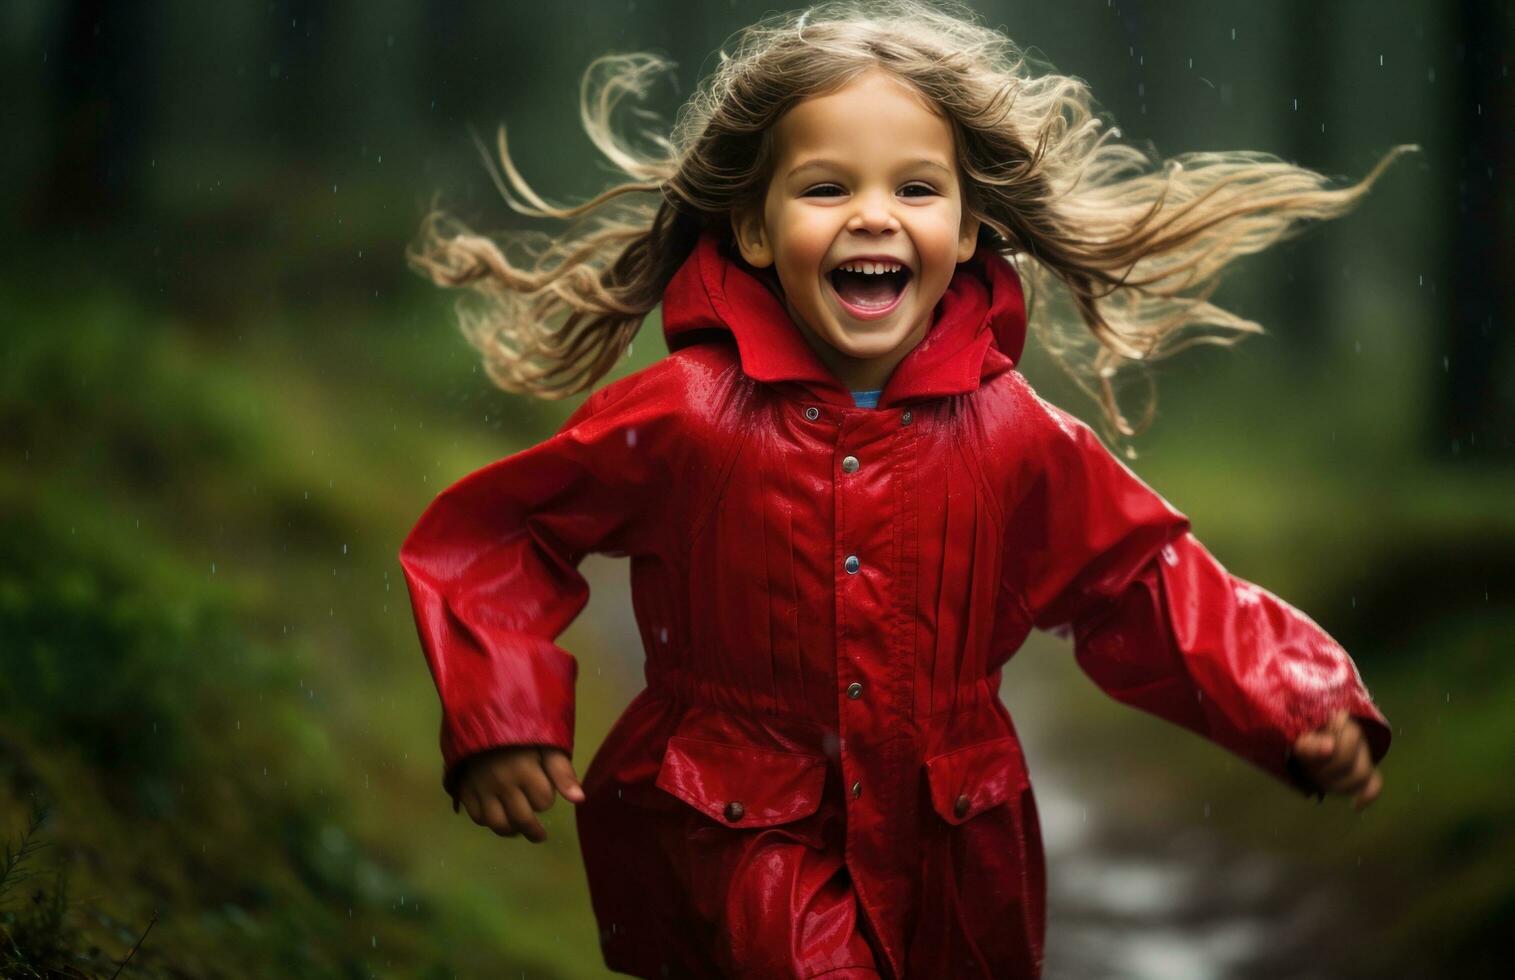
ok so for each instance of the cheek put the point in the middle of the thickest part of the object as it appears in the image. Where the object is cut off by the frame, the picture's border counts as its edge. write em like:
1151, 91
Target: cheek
938, 231
936, 243
808, 231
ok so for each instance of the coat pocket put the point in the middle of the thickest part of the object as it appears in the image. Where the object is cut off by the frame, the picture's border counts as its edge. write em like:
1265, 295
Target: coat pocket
980, 873
742, 786
967, 781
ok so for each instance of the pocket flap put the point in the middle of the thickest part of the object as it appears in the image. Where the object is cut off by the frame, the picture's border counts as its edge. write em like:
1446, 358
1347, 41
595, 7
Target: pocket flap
740, 785
967, 781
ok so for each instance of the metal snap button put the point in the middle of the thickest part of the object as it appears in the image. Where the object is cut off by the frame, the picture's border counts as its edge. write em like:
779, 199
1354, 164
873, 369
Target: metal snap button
812, 413
852, 564
854, 690
961, 806
849, 465
905, 418
857, 789
734, 811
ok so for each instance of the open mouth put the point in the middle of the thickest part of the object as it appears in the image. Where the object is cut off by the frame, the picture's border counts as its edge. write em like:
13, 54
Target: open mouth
869, 295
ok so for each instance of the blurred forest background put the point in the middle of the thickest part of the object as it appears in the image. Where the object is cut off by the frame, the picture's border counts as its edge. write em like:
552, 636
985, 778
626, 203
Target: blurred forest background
224, 400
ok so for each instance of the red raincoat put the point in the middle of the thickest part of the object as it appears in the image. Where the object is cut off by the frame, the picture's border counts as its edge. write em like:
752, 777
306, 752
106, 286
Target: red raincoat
820, 777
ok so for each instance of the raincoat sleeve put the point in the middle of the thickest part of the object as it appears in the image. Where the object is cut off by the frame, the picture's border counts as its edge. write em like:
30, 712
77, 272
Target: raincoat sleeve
492, 567
1159, 624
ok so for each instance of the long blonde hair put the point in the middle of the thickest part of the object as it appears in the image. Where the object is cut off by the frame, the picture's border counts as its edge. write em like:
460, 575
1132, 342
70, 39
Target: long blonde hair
1135, 243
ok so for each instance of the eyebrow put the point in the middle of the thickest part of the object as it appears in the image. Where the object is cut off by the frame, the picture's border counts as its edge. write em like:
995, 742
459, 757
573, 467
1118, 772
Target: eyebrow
809, 164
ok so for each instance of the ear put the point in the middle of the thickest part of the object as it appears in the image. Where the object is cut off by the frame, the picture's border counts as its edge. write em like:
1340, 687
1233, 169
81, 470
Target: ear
752, 236
967, 241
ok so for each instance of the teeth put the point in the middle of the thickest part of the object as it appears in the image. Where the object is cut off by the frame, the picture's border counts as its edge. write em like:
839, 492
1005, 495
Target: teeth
870, 268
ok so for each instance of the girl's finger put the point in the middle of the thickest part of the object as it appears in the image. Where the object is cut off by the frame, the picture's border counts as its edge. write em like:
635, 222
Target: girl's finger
1370, 792
521, 817
472, 803
1351, 738
537, 788
560, 770
1334, 771
1316, 745
494, 816
1345, 759
1355, 776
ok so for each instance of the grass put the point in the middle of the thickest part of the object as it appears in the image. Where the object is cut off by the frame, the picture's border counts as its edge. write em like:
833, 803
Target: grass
211, 666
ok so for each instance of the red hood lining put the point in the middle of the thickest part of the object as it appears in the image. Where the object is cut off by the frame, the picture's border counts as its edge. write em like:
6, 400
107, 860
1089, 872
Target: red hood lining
978, 327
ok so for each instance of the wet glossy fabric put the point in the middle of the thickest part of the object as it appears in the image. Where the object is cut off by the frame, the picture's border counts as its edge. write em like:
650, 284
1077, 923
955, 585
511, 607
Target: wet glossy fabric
820, 778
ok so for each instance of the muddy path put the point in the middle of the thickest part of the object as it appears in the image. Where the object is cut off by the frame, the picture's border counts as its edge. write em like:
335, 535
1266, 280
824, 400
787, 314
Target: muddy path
1134, 892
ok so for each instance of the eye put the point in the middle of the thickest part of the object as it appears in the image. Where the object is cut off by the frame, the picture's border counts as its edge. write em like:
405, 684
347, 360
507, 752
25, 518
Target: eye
830, 190
922, 189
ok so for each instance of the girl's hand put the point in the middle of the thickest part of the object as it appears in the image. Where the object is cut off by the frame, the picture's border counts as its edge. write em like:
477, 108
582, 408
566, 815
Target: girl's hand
503, 786
1336, 757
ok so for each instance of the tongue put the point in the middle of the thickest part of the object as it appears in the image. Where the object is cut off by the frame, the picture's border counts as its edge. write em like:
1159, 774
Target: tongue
866, 291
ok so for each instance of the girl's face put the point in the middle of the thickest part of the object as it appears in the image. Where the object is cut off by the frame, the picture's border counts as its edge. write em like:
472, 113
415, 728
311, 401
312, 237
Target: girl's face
864, 179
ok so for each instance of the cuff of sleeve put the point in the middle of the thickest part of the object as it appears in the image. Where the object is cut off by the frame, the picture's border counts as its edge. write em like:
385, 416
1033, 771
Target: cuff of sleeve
534, 705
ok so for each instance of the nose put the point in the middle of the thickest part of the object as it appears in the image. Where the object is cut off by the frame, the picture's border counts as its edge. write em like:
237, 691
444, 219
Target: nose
872, 214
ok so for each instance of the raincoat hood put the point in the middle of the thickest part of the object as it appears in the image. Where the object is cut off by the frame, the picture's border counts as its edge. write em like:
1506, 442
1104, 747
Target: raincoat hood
978, 327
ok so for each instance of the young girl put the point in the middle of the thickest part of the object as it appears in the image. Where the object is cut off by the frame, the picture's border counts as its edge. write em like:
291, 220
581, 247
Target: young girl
844, 506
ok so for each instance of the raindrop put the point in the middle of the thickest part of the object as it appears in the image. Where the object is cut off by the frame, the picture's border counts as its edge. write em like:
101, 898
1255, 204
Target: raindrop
1380, 61
1233, 33
344, 547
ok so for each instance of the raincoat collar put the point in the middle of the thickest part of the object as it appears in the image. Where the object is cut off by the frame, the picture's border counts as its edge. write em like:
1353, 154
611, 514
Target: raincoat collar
978, 328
